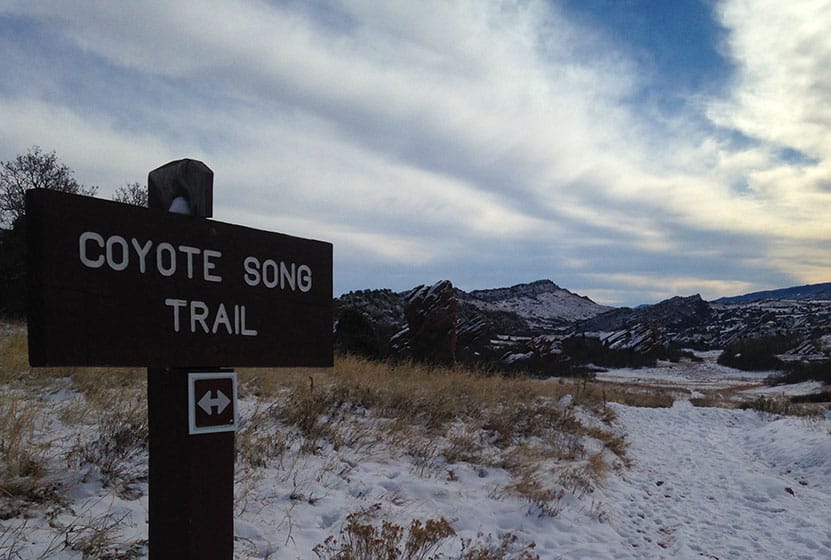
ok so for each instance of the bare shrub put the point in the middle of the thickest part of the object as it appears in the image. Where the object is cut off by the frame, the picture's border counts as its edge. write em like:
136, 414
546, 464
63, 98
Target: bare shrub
257, 443
424, 452
118, 447
362, 539
101, 536
506, 547
102, 387
544, 499
16, 543
23, 463
95, 537
779, 405
464, 446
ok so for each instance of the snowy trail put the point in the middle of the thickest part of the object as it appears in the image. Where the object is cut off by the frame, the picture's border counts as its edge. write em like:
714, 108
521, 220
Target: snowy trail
725, 484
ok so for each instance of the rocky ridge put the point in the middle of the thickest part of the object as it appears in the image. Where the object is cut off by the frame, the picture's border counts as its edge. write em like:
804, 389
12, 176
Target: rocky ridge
540, 327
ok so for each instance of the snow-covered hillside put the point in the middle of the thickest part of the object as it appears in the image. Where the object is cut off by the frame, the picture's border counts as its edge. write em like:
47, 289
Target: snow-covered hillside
542, 304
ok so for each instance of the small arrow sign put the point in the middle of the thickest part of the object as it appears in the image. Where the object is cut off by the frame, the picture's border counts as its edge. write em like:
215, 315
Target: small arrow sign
212, 402
220, 402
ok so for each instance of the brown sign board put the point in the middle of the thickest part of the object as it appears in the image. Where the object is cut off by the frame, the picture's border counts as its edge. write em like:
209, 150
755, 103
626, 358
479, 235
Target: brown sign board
117, 285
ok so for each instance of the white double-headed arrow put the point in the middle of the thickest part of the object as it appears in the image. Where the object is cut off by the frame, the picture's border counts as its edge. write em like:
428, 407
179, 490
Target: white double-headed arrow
220, 402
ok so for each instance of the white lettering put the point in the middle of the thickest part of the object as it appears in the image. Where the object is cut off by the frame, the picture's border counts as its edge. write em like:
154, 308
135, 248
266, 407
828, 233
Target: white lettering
245, 331
271, 274
141, 251
252, 271
176, 304
82, 249
208, 265
304, 277
170, 268
198, 314
114, 252
125, 253
190, 252
270, 267
222, 318
286, 275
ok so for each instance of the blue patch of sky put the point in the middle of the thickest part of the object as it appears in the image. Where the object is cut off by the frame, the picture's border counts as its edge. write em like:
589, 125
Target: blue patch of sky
791, 156
735, 139
675, 43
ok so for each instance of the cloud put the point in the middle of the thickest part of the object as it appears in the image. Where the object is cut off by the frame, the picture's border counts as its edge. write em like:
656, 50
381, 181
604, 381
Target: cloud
780, 98
99, 152
497, 142
783, 52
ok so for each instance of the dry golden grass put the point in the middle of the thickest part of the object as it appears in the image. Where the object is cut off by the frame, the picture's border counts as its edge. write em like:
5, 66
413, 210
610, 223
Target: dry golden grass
14, 353
15, 368
364, 538
438, 416
434, 394
24, 477
775, 404
645, 396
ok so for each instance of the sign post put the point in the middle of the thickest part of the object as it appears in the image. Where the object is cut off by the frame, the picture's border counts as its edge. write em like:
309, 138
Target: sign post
191, 482
118, 285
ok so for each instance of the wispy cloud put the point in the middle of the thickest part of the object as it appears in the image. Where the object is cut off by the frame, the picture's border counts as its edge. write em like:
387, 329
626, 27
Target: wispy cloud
487, 142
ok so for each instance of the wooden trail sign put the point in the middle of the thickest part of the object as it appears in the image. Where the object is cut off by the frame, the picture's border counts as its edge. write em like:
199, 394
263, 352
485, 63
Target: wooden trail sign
119, 285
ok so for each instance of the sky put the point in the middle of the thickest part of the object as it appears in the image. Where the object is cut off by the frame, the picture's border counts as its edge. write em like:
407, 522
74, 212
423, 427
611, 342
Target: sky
628, 150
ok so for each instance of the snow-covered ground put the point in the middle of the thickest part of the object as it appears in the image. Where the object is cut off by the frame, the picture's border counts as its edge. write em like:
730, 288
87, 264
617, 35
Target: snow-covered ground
706, 483
703, 483
704, 375
716, 483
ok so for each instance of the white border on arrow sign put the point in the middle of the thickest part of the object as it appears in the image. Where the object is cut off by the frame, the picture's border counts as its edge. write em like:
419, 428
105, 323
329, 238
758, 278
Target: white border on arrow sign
193, 429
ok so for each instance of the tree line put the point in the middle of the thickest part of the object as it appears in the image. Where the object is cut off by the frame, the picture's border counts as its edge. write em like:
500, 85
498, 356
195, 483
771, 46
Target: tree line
36, 169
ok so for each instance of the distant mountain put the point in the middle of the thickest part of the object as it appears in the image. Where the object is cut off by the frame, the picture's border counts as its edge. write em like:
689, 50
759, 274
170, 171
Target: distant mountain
797, 293
486, 321
676, 313
542, 304
541, 327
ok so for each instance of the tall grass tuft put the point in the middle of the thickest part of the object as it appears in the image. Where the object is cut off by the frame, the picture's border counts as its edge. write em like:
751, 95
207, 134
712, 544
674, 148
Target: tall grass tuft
361, 539
119, 444
23, 457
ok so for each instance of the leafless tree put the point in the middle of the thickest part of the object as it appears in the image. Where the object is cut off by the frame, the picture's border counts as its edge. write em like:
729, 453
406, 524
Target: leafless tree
35, 169
131, 193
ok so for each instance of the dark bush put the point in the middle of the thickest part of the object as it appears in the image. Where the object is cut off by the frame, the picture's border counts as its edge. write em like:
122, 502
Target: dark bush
355, 334
756, 354
797, 372
821, 397
590, 350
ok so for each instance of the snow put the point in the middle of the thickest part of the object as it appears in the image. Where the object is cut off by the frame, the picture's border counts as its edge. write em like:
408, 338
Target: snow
541, 303
792, 390
702, 483
707, 374
716, 483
